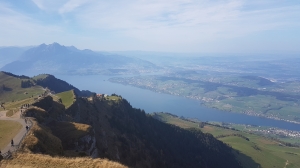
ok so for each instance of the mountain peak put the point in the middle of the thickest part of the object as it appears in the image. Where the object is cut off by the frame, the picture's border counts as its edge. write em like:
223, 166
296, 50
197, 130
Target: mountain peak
55, 44
42, 45
53, 48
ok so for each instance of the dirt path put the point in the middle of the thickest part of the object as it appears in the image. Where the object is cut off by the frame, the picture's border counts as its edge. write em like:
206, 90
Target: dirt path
19, 136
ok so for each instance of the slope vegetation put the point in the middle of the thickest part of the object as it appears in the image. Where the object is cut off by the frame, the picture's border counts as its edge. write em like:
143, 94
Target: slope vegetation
251, 150
44, 161
130, 136
13, 88
57, 85
67, 98
16, 88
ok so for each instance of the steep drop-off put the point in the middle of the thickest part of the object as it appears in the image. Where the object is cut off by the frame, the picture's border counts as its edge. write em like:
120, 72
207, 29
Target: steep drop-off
134, 138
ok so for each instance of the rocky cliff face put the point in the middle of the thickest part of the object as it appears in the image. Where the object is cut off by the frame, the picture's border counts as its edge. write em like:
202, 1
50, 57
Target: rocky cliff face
88, 145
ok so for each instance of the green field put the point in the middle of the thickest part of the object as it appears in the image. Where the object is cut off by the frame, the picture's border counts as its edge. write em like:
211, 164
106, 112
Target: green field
67, 97
258, 151
113, 98
14, 107
41, 76
11, 90
8, 129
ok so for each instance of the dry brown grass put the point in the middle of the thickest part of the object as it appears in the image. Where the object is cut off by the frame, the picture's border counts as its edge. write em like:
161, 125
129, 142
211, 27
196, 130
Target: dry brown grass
22, 160
70, 130
41, 140
82, 127
36, 112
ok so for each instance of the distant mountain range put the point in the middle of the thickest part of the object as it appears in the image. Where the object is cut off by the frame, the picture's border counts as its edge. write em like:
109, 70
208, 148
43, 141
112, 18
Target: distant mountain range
10, 54
58, 59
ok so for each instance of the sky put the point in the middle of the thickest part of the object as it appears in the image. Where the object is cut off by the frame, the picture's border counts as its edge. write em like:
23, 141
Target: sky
196, 26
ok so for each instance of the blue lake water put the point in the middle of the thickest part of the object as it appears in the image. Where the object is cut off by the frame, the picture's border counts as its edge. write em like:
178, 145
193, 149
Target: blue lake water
158, 102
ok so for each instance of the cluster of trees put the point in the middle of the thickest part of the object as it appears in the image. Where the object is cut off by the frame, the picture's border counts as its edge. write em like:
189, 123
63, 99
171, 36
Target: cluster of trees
238, 135
55, 84
26, 83
285, 143
5, 88
16, 76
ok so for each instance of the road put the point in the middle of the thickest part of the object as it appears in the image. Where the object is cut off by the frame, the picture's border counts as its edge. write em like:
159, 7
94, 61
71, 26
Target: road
19, 136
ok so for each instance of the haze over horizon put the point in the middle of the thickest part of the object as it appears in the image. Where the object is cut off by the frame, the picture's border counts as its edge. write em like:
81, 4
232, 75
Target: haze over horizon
222, 26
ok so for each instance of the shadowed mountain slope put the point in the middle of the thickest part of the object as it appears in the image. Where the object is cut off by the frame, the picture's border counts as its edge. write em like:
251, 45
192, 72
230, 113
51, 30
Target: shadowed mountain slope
134, 138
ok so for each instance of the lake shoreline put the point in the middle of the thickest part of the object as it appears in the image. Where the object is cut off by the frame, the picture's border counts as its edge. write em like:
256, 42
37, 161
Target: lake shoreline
152, 101
203, 104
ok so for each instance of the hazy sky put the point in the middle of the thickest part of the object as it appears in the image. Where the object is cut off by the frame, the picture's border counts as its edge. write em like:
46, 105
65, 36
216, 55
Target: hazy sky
228, 26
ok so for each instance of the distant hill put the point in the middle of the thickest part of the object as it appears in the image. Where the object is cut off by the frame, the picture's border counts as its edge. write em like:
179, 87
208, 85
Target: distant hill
12, 87
15, 87
57, 85
58, 59
260, 80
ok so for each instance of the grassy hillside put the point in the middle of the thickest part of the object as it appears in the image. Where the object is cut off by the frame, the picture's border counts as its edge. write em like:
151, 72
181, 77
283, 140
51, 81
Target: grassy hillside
44, 161
40, 77
67, 97
18, 88
263, 151
13, 107
58, 85
11, 88
8, 129
41, 140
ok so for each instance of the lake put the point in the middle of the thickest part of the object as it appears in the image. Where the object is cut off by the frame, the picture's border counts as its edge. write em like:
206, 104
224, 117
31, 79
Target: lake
158, 102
